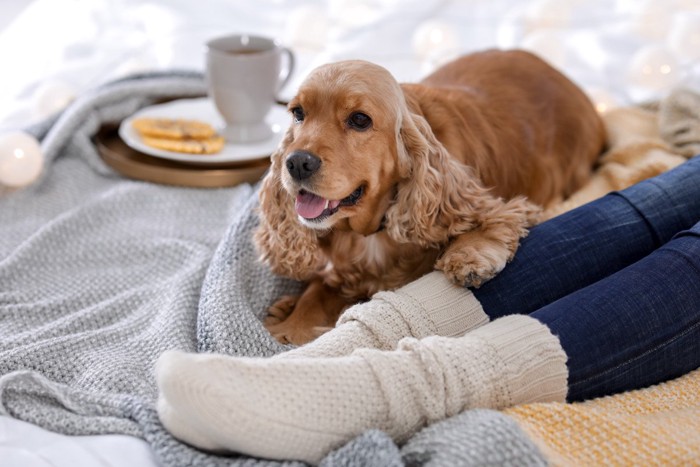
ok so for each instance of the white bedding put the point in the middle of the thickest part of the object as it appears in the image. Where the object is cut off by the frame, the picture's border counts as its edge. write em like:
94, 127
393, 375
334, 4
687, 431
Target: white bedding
25, 445
620, 52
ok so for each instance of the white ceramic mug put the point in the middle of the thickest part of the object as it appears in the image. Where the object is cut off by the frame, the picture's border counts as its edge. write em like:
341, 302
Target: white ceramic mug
244, 74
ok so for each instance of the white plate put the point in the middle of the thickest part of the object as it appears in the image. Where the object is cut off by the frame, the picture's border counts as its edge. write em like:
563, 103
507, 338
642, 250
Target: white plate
203, 109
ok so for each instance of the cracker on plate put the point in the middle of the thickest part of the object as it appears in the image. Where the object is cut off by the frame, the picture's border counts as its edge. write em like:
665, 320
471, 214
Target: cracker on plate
178, 135
190, 146
173, 128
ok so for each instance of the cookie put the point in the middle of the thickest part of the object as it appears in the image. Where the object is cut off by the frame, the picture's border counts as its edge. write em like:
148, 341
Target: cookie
191, 146
173, 128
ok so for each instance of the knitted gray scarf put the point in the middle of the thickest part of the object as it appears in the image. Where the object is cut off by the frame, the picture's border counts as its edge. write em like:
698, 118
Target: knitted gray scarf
99, 274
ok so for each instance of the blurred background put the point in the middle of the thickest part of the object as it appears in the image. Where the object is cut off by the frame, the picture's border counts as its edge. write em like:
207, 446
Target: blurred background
620, 51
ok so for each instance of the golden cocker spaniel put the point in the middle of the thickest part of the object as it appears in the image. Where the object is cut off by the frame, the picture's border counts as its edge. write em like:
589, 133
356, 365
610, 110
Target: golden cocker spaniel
377, 183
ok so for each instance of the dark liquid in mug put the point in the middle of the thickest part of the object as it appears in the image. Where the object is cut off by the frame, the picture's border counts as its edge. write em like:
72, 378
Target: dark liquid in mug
245, 51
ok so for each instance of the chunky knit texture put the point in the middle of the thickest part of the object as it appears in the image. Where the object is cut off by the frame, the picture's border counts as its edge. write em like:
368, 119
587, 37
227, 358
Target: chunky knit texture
474, 438
220, 402
430, 306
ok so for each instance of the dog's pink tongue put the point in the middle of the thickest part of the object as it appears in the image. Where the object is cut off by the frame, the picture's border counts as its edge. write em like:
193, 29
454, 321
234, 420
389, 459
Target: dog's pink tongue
309, 206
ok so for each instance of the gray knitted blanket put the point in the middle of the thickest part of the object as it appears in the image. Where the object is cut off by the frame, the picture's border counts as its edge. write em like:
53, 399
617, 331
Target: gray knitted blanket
100, 274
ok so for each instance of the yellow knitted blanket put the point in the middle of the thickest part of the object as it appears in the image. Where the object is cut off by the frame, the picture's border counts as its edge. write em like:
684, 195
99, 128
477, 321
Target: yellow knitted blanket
659, 425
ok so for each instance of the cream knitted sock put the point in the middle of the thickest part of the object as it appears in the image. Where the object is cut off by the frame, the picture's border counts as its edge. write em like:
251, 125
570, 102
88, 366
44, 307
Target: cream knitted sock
431, 305
304, 407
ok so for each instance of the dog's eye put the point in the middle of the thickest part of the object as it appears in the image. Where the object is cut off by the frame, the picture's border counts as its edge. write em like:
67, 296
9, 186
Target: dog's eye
298, 114
359, 121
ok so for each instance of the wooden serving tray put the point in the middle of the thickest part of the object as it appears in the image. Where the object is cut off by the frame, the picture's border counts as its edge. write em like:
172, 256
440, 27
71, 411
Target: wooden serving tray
134, 164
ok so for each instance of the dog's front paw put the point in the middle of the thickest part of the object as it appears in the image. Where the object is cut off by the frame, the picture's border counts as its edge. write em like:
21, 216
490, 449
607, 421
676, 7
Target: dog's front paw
280, 310
471, 267
290, 328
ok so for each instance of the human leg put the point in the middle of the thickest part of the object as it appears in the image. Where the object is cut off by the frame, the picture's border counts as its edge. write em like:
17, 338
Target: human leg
638, 327
582, 246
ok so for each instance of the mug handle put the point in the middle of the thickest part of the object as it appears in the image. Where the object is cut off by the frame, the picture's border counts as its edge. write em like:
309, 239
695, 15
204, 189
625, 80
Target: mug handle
290, 68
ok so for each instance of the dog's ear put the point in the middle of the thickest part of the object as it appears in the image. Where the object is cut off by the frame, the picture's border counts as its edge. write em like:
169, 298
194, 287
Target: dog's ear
440, 197
283, 243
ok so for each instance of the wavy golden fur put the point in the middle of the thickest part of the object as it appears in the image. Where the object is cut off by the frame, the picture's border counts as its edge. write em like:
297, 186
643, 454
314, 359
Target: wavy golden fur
377, 183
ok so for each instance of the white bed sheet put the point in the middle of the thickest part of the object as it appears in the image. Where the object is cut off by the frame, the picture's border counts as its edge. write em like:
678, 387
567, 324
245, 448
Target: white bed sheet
51, 51
25, 445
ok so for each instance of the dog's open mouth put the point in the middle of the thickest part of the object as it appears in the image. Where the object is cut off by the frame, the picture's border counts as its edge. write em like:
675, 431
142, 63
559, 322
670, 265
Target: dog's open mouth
313, 207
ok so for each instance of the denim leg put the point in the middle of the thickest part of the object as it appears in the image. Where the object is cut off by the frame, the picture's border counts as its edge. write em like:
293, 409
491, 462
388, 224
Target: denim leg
638, 327
589, 243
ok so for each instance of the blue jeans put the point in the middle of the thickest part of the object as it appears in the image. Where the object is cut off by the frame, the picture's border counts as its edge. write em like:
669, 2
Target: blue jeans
607, 279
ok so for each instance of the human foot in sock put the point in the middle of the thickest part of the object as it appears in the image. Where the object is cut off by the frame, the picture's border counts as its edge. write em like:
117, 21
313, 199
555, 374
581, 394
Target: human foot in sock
431, 305
303, 408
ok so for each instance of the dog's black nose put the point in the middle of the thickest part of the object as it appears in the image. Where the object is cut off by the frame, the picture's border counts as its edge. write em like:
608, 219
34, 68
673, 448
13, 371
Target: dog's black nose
302, 164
